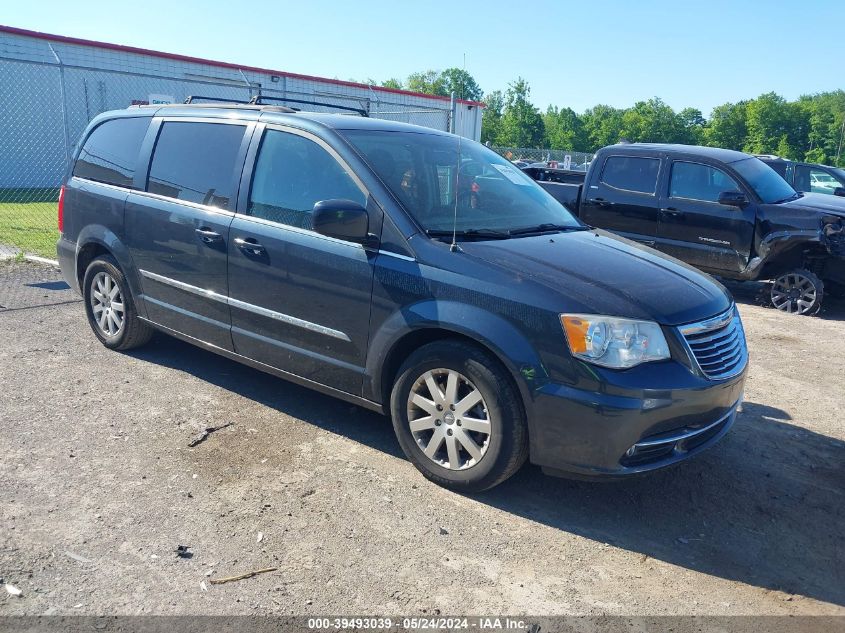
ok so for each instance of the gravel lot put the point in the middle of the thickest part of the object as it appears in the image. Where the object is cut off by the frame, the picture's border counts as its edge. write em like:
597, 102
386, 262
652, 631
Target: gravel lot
98, 487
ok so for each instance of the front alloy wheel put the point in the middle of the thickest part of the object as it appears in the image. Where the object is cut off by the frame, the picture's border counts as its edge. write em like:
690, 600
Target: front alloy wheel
448, 419
458, 416
797, 292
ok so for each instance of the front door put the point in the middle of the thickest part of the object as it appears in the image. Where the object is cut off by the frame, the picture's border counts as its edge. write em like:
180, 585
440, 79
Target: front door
695, 228
178, 228
300, 301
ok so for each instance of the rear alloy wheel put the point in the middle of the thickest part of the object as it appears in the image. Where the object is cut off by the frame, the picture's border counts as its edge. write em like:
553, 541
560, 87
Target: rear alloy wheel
110, 307
797, 292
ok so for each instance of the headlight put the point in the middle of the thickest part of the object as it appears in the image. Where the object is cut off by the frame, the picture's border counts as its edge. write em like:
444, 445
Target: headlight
614, 342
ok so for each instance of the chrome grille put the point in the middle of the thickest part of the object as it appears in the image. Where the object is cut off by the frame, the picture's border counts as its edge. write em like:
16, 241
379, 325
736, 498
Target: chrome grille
717, 345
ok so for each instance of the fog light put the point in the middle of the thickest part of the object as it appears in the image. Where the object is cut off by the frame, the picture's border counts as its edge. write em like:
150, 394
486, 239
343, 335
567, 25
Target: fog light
630, 452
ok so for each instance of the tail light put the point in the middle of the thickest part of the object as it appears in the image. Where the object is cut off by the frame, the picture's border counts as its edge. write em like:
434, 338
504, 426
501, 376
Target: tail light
61, 210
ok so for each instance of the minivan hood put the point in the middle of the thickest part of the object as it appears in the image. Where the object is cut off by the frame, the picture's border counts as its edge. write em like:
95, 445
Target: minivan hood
817, 202
600, 273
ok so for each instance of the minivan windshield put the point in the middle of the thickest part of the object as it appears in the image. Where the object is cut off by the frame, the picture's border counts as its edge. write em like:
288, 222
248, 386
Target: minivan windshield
430, 173
765, 181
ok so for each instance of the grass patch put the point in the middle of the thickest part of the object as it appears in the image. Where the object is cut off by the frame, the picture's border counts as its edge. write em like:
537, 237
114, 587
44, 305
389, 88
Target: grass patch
28, 220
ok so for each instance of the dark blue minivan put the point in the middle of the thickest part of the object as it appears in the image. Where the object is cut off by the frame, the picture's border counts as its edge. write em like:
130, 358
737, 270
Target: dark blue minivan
405, 270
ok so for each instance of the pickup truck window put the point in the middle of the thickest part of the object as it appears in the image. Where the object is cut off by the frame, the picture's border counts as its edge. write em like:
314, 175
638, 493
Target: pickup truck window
764, 180
447, 184
631, 173
695, 181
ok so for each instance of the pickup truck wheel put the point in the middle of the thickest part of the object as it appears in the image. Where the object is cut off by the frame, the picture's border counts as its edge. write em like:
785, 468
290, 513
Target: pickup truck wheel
458, 417
797, 292
110, 307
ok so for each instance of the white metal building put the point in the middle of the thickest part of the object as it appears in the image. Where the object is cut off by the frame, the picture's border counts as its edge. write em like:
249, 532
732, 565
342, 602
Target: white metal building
51, 86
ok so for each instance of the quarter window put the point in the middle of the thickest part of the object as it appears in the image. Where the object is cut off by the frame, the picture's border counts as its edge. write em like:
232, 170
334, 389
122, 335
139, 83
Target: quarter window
699, 182
292, 174
196, 162
111, 151
631, 173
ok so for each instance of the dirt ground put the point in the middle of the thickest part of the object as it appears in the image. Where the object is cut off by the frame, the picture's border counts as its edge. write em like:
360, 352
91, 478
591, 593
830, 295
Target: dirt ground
98, 487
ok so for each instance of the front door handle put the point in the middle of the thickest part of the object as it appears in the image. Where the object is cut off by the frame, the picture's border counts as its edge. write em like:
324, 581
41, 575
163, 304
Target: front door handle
249, 246
671, 211
207, 235
600, 202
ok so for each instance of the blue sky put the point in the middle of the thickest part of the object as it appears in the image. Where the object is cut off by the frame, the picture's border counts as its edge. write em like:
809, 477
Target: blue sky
573, 53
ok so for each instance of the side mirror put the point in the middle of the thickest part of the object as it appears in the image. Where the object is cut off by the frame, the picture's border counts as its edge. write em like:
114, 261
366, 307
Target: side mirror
342, 219
839, 191
733, 199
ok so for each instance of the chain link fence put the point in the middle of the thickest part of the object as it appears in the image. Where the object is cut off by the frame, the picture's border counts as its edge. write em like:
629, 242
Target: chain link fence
45, 104
565, 159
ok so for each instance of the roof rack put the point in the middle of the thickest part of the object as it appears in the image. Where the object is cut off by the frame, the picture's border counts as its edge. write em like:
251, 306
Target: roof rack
259, 99
191, 99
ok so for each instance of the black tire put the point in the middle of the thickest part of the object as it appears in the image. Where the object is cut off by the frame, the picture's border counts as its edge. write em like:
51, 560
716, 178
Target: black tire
133, 332
798, 291
507, 447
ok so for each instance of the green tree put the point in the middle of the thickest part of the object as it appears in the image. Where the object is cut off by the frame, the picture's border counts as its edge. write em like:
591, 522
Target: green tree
653, 121
429, 82
522, 123
603, 126
728, 126
825, 112
564, 129
491, 117
694, 124
393, 83
461, 83
776, 126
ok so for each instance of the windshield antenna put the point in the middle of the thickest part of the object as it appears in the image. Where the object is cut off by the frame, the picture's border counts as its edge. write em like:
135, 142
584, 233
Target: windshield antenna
453, 247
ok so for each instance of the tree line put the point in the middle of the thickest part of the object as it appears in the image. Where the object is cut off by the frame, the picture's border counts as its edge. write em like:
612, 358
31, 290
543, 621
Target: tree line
810, 128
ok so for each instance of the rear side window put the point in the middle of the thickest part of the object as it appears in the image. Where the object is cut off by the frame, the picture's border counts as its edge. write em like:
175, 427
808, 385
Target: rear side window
111, 151
292, 174
196, 162
631, 173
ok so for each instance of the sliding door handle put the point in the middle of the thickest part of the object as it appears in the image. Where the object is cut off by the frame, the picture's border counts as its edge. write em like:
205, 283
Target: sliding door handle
249, 246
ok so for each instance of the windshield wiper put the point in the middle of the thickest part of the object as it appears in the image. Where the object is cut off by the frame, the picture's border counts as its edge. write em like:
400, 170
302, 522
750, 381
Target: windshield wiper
546, 227
470, 233
794, 196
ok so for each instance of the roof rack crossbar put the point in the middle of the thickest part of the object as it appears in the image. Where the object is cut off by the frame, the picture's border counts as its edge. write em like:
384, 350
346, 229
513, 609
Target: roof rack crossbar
258, 99
193, 98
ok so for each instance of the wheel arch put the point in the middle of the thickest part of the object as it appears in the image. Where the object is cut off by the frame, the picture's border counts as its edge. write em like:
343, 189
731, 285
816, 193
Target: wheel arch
432, 321
97, 240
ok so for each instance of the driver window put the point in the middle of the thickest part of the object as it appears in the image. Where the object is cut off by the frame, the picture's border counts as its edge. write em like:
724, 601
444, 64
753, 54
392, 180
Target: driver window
694, 181
293, 173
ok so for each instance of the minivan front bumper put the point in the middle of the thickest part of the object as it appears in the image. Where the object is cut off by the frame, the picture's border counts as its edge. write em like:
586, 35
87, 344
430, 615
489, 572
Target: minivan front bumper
589, 434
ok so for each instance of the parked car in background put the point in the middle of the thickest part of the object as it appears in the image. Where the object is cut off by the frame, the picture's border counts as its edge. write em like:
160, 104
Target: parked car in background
406, 271
808, 177
725, 212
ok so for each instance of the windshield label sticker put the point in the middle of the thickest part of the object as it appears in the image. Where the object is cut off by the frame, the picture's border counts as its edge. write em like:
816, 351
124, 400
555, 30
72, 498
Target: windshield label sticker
512, 174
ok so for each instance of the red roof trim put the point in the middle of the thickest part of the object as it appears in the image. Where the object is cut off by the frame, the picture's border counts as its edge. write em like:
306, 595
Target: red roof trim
199, 60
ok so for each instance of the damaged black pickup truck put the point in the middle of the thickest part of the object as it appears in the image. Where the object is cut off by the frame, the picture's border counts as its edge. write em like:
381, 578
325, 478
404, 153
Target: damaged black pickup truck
722, 211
